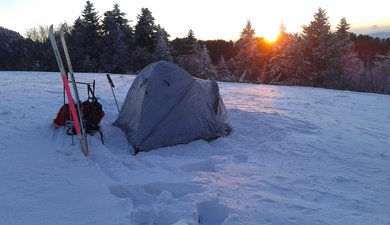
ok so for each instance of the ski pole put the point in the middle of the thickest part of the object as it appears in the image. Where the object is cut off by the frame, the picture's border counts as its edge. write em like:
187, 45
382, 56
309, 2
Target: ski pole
112, 86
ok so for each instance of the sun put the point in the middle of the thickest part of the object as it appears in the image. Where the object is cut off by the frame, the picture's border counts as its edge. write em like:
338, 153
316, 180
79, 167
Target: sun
269, 31
270, 36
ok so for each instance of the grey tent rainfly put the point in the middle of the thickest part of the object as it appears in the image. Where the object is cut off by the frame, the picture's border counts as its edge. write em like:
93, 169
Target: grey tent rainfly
167, 106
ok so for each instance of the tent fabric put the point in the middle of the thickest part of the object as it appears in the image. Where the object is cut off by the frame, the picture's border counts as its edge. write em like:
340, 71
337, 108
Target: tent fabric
166, 106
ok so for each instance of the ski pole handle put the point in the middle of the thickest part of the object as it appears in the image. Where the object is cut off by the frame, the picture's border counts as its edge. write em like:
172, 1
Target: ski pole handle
112, 86
110, 81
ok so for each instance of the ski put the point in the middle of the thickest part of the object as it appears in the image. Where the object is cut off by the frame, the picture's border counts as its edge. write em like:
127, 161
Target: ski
75, 90
72, 107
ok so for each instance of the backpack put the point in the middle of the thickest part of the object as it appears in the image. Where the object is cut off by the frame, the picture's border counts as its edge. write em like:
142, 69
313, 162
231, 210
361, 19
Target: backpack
63, 116
92, 114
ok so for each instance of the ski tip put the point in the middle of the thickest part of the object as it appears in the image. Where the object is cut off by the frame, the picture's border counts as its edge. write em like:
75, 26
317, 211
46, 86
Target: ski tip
61, 31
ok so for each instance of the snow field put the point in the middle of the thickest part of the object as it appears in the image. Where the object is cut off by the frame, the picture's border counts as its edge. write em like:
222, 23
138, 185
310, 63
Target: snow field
296, 155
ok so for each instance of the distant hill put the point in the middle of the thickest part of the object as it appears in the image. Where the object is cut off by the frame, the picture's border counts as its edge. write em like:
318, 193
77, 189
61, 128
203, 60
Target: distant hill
9, 35
383, 34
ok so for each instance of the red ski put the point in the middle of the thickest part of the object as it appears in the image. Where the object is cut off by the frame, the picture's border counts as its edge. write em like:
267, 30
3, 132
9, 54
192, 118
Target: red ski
77, 123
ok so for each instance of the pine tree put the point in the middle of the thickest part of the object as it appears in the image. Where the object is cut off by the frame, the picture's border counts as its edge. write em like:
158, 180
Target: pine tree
317, 39
222, 70
163, 33
191, 36
205, 69
85, 39
288, 66
351, 68
247, 64
190, 43
197, 62
282, 29
162, 51
76, 46
245, 46
145, 35
379, 81
187, 50
193, 57
116, 42
342, 32
248, 33
92, 29
141, 58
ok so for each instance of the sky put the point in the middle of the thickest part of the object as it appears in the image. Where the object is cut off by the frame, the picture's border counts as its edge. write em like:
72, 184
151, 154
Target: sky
208, 19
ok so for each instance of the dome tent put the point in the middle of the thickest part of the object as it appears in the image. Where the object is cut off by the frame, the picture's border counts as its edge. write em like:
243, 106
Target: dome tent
165, 106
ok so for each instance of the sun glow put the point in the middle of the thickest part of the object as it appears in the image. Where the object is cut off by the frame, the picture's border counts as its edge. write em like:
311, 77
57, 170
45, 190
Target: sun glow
267, 29
271, 37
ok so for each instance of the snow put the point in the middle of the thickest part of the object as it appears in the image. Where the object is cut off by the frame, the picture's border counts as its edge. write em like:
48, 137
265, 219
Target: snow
296, 155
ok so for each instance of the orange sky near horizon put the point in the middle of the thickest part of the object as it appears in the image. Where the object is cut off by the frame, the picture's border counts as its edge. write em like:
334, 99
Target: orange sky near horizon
208, 19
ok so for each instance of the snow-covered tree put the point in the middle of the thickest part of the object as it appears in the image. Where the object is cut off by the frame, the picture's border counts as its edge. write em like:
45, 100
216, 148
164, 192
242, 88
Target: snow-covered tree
249, 63
205, 69
85, 37
247, 34
317, 42
141, 58
379, 77
288, 65
116, 42
245, 52
187, 50
145, 34
222, 71
193, 57
164, 33
351, 67
162, 51
145, 39
92, 30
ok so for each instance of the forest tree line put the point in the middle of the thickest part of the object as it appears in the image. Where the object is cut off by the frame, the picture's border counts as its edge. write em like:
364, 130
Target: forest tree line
315, 57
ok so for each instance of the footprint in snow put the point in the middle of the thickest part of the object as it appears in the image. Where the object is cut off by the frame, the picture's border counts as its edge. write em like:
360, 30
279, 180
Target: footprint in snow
241, 158
212, 212
207, 166
148, 193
